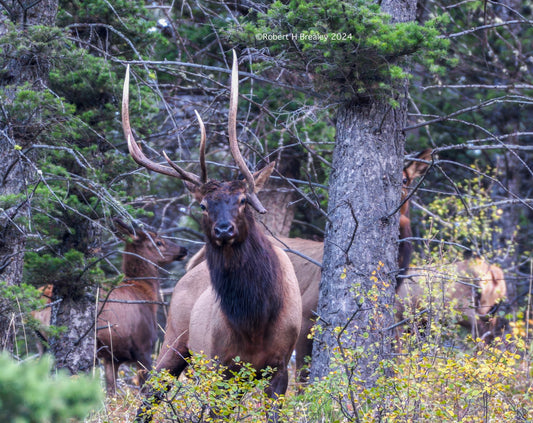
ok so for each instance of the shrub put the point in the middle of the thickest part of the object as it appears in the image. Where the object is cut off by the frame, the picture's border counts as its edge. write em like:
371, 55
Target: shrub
29, 394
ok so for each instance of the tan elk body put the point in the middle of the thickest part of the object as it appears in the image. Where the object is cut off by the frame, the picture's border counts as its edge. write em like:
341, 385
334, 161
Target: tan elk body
465, 292
243, 300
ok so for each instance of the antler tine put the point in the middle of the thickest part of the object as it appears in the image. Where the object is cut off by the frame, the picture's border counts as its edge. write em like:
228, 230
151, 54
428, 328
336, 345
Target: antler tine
232, 134
191, 177
136, 152
202, 148
134, 149
232, 124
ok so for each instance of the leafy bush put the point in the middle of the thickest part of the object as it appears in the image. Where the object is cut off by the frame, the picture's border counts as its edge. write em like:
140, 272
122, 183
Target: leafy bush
470, 218
435, 383
29, 394
206, 394
431, 383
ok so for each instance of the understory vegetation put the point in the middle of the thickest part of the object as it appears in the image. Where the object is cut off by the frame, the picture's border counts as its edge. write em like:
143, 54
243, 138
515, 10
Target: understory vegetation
435, 379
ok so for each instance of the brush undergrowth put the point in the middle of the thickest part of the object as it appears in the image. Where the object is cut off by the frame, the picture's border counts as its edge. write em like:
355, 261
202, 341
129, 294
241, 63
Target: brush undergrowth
424, 382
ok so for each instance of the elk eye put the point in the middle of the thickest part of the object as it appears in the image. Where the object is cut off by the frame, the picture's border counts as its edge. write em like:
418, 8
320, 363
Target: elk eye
158, 243
203, 207
243, 201
405, 181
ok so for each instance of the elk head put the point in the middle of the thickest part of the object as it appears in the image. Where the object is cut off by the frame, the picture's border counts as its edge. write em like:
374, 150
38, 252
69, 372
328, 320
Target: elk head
224, 204
148, 245
412, 171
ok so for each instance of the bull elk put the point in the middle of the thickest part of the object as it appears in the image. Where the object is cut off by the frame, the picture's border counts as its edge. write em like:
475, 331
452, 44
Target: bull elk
243, 300
308, 273
127, 332
471, 288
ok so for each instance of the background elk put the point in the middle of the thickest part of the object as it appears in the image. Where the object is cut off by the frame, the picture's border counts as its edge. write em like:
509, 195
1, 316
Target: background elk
127, 332
244, 299
43, 316
412, 171
471, 289
309, 272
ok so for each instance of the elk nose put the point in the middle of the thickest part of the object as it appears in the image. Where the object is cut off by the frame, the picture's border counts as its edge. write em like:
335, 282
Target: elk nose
182, 253
224, 230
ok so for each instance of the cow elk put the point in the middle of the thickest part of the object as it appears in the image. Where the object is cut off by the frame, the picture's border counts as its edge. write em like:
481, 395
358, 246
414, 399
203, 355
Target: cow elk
414, 170
127, 320
127, 333
467, 292
243, 300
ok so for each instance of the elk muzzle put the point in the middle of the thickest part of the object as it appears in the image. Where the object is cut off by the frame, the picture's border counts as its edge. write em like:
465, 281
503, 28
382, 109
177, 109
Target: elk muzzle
224, 232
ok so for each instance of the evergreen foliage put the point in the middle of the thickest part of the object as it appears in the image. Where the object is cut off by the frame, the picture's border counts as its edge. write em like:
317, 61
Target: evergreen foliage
69, 130
352, 46
28, 394
66, 125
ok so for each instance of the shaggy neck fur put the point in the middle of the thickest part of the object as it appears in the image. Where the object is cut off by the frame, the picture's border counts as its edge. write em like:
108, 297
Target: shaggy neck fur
246, 278
138, 268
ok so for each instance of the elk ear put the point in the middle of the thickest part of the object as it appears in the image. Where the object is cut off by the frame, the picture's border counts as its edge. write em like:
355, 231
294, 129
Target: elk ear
128, 232
416, 169
123, 230
195, 191
261, 176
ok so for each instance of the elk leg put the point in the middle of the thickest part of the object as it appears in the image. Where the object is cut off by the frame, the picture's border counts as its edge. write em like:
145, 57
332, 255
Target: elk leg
405, 251
175, 363
277, 386
144, 365
304, 348
111, 375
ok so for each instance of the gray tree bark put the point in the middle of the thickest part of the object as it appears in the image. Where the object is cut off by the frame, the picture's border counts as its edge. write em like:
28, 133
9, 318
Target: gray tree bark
75, 310
73, 349
15, 170
361, 247
13, 181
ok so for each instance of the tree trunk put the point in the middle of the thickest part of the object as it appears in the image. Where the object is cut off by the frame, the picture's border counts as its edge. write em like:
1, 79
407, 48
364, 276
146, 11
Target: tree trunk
76, 309
15, 172
361, 245
277, 197
74, 349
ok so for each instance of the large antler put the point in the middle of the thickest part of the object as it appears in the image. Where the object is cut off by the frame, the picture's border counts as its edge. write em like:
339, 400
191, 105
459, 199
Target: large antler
232, 134
139, 156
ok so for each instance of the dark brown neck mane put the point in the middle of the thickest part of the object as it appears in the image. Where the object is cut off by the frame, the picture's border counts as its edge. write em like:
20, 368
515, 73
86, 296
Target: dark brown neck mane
246, 279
